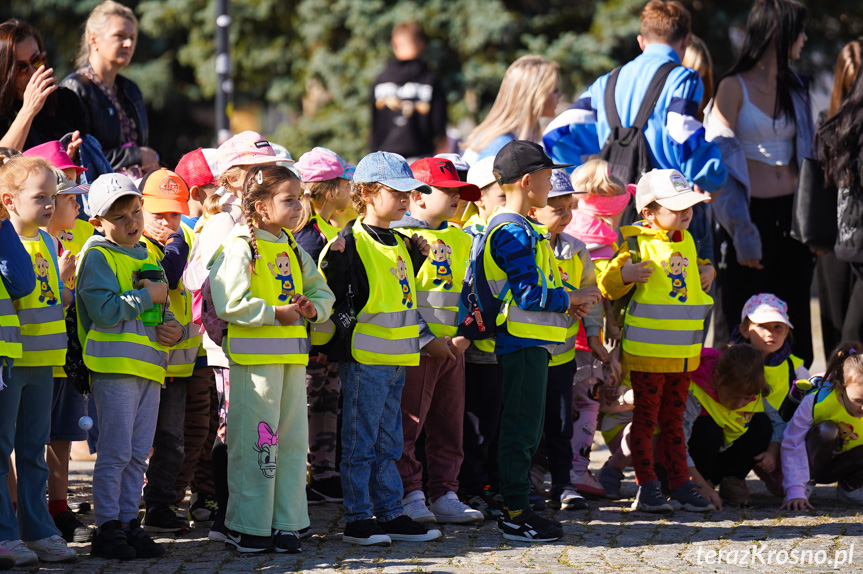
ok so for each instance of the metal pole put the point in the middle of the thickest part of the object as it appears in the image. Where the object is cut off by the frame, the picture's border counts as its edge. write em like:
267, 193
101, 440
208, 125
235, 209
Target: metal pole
224, 85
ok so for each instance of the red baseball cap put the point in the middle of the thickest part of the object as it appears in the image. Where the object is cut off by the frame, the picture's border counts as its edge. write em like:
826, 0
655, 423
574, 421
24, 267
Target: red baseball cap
197, 167
439, 172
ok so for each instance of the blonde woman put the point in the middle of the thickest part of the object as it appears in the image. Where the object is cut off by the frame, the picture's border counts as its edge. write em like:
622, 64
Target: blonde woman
114, 111
529, 91
698, 58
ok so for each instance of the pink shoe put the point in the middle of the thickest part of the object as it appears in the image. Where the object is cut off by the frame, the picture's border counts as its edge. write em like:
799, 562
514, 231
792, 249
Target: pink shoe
586, 484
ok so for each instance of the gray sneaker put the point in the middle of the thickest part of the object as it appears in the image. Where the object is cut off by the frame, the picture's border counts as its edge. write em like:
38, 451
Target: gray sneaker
610, 478
650, 498
850, 497
686, 497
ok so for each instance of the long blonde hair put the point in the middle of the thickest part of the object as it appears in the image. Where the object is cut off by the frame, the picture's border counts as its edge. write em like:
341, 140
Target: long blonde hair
97, 21
698, 58
526, 86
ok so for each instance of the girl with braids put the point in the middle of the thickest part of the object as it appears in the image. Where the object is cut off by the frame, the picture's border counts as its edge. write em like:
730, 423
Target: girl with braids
823, 442
267, 289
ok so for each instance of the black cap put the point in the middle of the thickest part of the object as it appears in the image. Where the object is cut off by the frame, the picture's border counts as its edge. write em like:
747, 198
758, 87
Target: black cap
519, 158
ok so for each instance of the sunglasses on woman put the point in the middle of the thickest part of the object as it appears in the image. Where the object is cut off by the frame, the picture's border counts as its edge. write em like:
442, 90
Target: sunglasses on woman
36, 62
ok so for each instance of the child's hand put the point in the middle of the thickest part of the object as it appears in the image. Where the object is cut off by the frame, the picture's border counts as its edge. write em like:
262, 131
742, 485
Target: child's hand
636, 272
459, 345
73, 145
706, 273
599, 351
66, 266
579, 311
305, 307
590, 295
439, 348
711, 495
158, 290
169, 334
797, 504
288, 314
420, 243
766, 461
67, 296
338, 244
158, 231
322, 359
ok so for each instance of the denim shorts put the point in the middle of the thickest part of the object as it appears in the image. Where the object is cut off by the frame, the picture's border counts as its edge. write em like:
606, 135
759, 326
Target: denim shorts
67, 407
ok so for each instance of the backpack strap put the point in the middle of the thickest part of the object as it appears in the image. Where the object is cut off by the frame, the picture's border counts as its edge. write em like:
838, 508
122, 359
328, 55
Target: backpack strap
648, 104
634, 249
503, 219
610, 105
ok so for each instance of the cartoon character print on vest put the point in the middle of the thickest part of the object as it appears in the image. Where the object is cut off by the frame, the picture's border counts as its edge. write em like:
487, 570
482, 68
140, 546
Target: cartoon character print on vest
268, 442
675, 269
65, 236
400, 271
846, 435
440, 254
282, 272
43, 268
745, 418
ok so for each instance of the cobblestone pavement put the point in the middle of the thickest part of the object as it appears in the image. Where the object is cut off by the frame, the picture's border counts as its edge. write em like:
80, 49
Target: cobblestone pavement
605, 538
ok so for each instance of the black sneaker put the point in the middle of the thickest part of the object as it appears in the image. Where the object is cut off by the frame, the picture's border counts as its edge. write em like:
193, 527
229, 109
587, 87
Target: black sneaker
72, 529
313, 498
202, 509
566, 497
248, 542
163, 518
537, 501
477, 502
286, 541
328, 489
529, 526
365, 533
304, 533
144, 546
110, 542
408, 530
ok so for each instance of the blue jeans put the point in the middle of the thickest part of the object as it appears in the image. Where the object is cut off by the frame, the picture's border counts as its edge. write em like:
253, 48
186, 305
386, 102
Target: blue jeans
372, 440
25, 421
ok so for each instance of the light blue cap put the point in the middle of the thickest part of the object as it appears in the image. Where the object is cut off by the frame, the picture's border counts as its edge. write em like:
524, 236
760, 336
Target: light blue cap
390, 169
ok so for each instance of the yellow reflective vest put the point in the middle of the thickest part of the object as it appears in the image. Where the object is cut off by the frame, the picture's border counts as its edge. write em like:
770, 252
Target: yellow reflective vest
827, 407
665, 317
10, 328
329, 231
387, 329
541, 325
130, 347
570, 275
73, 240
780, 377
733, 423
276, 279
40, 314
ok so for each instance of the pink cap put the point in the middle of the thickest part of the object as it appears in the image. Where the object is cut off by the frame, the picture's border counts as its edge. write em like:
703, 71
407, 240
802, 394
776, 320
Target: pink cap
56, 155
245, 148
320, 164
766, 308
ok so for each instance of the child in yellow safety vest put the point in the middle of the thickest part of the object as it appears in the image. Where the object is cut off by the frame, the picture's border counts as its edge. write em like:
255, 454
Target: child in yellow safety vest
267, 289
32, 341
126, 331
371, 269
663, 330
576, 272
434, 392
823, 442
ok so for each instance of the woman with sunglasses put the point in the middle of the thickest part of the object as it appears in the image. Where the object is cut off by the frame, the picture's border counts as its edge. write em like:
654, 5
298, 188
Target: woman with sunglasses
33, 110
114, 109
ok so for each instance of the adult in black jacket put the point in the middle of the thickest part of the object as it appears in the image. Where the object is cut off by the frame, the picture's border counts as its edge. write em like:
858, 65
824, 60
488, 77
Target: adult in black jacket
114, 111
33, 110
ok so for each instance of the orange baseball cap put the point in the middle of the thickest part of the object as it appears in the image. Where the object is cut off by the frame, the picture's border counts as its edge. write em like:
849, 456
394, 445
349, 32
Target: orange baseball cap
165, 192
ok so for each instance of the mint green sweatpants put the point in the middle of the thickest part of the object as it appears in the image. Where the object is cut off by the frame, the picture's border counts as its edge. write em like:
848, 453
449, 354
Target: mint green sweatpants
268, 436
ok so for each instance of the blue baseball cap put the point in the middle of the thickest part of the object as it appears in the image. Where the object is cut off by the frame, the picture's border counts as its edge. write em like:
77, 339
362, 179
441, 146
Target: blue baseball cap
560, 184
390, 169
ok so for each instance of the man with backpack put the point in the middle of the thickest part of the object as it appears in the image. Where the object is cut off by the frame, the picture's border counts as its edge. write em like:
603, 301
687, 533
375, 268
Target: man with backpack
672, 136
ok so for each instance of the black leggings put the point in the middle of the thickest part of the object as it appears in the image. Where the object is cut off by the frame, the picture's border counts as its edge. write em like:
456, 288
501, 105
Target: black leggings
826, 467
738, 459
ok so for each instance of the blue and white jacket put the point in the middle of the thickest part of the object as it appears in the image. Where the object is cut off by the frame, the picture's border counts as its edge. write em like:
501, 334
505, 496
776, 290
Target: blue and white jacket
674, 135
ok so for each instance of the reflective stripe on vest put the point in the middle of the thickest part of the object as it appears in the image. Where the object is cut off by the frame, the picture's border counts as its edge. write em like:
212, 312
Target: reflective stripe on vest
571, 270
665, 318
540, 325
130, 347
440, 278
733, 423
277, 278
387, 331
780, 379
10, 327
40, 313
828, 408
322, 333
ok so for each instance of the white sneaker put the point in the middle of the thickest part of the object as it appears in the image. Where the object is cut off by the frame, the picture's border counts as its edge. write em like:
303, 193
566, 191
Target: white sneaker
53, 549
415, 508
850, 497
448, 508
23, 555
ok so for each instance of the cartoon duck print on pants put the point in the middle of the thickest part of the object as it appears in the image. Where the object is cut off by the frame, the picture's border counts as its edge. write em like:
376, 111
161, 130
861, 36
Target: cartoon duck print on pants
282, 272
267, 449
42, 267
675, 268
401, 273
440, 258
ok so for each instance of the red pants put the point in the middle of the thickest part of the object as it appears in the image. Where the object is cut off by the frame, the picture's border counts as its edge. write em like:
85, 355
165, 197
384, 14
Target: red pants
659, 398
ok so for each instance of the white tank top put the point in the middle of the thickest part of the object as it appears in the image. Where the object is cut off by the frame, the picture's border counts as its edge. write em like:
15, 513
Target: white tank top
764, 140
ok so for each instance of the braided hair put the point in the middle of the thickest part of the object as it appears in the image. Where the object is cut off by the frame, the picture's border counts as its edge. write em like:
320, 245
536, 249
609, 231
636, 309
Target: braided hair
261, 184
845, 361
